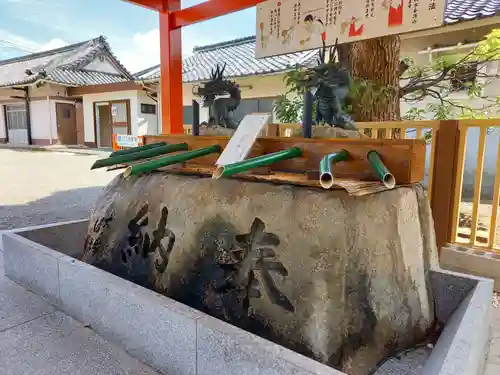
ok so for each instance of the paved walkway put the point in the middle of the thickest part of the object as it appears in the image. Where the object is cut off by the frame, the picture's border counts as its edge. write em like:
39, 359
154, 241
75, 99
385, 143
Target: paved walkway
37, 339
47, 187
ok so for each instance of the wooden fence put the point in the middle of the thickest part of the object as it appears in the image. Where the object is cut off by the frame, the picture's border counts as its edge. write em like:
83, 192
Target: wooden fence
446, 156
480, 234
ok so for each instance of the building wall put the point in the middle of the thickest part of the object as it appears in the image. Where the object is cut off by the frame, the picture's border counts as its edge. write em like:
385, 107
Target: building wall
88, 111
251, 87
3, 136
101, 66
36, 93
41, 130
147, 123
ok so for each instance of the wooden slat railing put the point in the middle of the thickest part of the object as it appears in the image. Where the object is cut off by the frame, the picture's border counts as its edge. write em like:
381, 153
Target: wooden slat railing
487, 239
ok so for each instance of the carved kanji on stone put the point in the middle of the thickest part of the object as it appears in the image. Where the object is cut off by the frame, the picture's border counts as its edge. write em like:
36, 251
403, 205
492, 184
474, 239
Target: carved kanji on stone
254, 252
140, 242
93, 240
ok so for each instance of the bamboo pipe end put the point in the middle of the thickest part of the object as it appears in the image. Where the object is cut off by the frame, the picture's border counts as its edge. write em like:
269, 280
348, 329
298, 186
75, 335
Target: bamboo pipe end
389, 181
219, 171
127, 172
326, 180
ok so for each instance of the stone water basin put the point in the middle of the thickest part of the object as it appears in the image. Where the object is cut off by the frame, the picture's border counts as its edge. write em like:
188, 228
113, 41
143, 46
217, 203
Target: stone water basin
177, 339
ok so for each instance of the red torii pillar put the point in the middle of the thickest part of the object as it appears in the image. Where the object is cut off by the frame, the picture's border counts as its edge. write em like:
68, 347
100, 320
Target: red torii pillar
172, 19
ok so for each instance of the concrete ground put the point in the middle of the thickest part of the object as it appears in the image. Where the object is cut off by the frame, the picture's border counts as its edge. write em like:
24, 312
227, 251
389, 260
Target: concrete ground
38, 188
37, 339
47, 187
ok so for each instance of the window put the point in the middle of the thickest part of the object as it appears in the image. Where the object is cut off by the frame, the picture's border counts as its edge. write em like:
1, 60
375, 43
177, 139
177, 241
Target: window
148, 109
463, 78
119, 112
187, 114
67, 114
16, 117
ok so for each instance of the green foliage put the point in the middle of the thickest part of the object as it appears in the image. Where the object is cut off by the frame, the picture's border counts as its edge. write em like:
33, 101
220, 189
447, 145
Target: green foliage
288, 109
454, 82
488, 48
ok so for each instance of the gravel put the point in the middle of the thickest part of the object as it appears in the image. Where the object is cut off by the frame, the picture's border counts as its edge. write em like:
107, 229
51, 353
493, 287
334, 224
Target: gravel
496, 300
47, 187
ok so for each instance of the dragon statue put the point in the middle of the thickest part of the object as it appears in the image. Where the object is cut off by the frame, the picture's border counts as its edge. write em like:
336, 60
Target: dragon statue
330, 84
221, 96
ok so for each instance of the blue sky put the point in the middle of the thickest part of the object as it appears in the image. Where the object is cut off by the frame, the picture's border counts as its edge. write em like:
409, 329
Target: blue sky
132, 31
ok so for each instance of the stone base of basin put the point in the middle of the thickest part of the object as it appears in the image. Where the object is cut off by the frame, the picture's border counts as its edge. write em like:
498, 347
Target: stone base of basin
339, 279
176, 339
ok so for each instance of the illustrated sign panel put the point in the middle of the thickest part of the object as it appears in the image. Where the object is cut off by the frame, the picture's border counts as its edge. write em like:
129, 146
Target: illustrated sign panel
287, 26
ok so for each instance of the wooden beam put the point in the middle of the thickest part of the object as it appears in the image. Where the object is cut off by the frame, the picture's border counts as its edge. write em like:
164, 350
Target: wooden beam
171, 72
208, 10
458, 26
159, 5
108, 87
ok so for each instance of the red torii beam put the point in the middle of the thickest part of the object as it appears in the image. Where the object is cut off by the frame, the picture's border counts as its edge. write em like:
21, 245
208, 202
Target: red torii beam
172, 19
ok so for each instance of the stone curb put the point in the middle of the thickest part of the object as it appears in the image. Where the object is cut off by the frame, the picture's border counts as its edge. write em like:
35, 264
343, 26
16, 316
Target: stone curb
176, 339
77, 151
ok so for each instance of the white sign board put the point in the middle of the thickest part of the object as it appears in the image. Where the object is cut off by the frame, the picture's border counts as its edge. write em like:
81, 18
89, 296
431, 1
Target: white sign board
241, 142
126, 141
287, 26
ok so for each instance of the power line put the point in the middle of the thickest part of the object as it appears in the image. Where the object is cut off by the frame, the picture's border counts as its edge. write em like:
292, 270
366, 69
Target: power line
7, 44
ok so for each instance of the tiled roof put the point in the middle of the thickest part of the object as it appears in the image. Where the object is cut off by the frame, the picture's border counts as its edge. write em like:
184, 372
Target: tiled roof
239, 54
240, 57
466, 10
63, 65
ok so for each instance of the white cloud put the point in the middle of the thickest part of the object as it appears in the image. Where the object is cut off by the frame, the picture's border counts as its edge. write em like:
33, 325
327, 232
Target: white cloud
143, 51
13, 45
53, 44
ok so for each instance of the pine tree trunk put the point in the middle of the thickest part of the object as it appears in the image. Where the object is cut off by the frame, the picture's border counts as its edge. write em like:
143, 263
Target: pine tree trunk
377, 61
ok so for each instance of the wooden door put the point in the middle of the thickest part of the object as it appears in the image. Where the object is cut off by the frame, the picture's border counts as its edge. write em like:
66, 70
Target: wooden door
66, 123
105, 126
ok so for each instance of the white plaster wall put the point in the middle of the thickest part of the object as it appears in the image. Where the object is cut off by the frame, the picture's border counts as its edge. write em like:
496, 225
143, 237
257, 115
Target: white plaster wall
101, 66
147, 124
158, 109
40, 120
251, 87
2, 122
88, 110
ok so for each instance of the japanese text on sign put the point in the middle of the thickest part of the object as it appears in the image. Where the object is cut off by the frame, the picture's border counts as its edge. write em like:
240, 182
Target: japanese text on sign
288, 26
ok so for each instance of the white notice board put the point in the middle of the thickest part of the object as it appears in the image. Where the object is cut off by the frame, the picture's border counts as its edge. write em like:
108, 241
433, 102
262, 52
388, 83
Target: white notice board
287, 26
241, 142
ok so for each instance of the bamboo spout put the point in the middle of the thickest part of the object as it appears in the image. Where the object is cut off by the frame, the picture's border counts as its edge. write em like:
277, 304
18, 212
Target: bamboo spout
151, 165
137, 149
156, 151
382, 172
259, 161
326, 179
